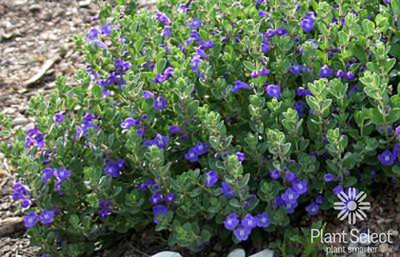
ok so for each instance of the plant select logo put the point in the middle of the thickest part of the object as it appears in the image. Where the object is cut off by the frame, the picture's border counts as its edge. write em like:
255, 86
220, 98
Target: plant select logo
351, 205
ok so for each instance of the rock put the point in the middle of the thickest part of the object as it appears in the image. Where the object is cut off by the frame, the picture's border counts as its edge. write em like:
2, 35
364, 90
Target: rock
167, 254
20, 121
237, 253
264, 253
361, 255
398, 218
84, 3
383, 248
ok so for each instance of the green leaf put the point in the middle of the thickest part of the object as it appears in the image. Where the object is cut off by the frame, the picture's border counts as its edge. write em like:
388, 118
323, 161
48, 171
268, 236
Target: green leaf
96, 90
161, 65
394, 115
358, 51
396, 7
249, 65
368, 27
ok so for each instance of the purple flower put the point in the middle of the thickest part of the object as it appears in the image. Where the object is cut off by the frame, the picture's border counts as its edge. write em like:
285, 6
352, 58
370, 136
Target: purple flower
104, 208
206, 44
291, 206
319, 199
296, 69
264, 72
265, 47
168, 72
281, 31
263, 220
249, 222
34, 137
290, 176
46, 216
241, 156
47, 173
194, 23
191, 156
167, 31
100, 44
62, 174
299, 106
226, 190
350, 75
57, 187
156, 198
93, 33
273, 90
397, 131
337, 189
290, 195
159, 210
325, 71
120, 163
386, 1
200, 52
58, 117
240, 85
161, 17
312, 208
160, 78
307, 25
386, 158
211, 178
303, 92
160, 103
340, 74
194, 63
173, 129
112, 169
19, 192
30, 220
122, 65
89, 117
107, 29
129, 122
231, 221
147, 94
300, 186
145, 185
170, 197
275, 174
159, 140
262, 13
26, 203
200, 148
328, 177
396, 150
254, 74
270, 33
242, 233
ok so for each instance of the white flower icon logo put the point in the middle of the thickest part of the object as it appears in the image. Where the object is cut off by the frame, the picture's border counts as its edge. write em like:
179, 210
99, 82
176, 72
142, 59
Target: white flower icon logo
352, 205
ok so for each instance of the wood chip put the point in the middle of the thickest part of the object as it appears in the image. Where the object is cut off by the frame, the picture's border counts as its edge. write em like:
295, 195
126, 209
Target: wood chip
45, 67
10, 225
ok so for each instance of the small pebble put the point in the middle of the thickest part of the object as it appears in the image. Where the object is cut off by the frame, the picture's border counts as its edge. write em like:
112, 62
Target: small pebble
237, 253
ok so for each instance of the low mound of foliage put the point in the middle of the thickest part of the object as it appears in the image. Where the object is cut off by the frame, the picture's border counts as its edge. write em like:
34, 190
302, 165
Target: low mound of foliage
212, 120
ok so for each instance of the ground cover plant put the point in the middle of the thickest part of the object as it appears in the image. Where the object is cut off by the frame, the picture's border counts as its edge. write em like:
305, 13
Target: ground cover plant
212, 120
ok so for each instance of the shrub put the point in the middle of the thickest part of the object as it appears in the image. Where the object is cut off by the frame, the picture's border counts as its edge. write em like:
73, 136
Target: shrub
212, 120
